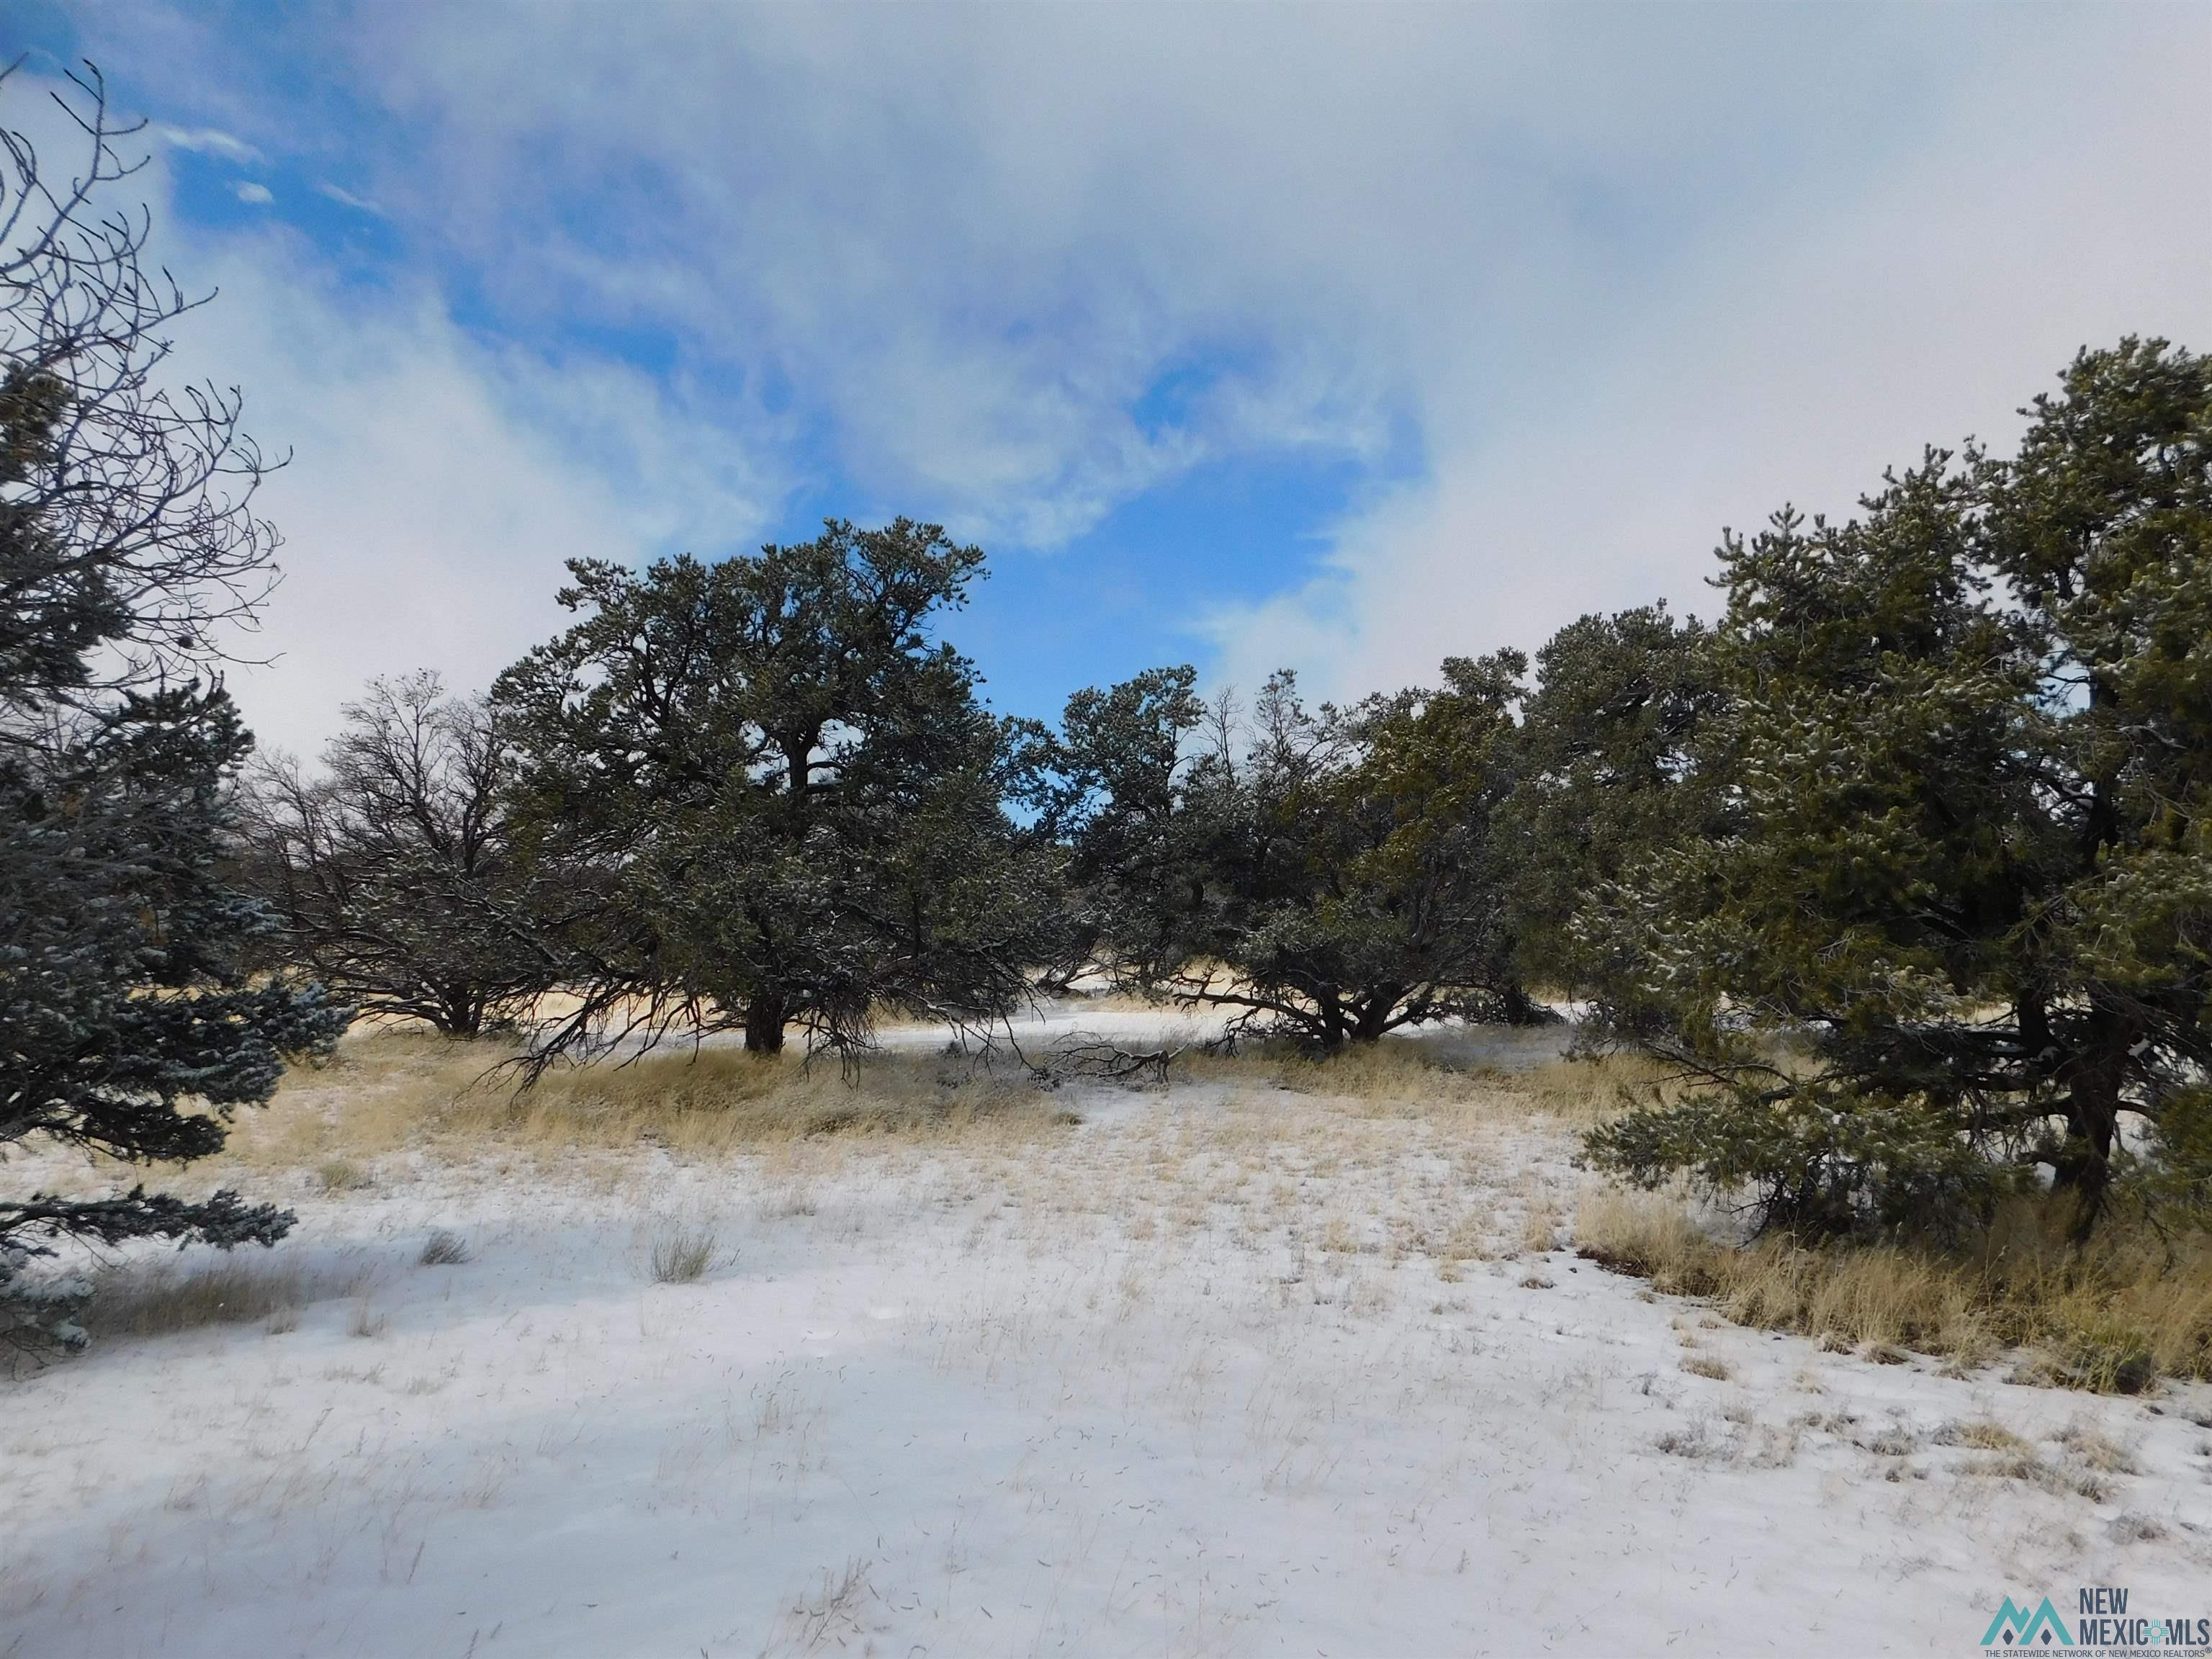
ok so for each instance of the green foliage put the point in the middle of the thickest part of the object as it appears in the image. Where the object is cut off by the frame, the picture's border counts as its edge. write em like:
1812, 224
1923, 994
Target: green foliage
1608, 773
1330, 875
769, 797
128, 1020
1961, 909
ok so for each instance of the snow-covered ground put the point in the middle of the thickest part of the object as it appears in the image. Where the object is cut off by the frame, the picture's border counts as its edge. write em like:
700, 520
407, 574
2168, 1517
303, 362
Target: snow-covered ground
1222, 1369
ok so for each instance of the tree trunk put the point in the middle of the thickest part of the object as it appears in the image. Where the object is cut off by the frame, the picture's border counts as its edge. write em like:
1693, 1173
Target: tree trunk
464, 1011
1374, 1014
764, 1019
1520, 1008
2092, 1076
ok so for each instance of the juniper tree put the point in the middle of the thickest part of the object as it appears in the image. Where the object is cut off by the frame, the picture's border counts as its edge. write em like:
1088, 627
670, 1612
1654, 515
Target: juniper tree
772, 798
391, 868
1960, 922
1332, 875
1607, 773
1108, 786
127, 1023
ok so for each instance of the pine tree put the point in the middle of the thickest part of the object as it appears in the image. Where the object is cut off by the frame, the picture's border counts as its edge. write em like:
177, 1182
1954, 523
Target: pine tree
127, 1022
1330, 875
1608, 772
771, 799
1957, 924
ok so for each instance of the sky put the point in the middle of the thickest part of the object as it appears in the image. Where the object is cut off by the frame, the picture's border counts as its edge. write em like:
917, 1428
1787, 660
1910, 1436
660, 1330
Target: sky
1340, 338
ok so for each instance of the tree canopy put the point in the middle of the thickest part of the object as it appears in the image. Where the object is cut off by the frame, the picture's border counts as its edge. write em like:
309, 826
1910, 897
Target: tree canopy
1958, 923
392, 868
1332, 874
774, 797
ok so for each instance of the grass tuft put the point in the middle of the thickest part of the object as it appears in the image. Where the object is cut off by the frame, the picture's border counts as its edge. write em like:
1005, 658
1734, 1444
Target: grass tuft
445, 1250
342, 1175
161, 1298
681, 1255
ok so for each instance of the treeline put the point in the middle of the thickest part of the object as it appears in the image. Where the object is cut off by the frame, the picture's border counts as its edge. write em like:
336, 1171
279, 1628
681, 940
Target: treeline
1900, 867
762, 795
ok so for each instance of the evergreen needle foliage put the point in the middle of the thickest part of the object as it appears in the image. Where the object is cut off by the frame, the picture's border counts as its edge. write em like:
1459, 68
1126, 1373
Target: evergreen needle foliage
127, 1023
1332, 876
766, 798
1958, 921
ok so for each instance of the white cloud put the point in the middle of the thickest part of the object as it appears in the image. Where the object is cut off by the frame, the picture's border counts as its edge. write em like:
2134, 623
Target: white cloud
1789, 362
434, 487
255, 195
1627, 271
346, 197
1627, 276
208, 141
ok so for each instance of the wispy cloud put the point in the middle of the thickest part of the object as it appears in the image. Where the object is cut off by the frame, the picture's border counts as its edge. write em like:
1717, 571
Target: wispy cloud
346, 197
435, 485
257, 195
208, 141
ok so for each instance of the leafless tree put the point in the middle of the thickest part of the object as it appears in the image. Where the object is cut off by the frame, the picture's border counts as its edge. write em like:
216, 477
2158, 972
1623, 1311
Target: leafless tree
392, 867
129, 492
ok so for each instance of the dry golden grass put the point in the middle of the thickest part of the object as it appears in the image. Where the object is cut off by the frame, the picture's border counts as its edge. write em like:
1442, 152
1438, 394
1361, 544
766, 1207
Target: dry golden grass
681, 1253
1407, 1080
241, 1287
389, 1089
1982, 1435
2107, 1318
1586, 1092
1399, 1076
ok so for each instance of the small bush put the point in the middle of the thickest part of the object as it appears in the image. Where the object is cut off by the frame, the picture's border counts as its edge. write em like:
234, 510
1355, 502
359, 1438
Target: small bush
1698, 1364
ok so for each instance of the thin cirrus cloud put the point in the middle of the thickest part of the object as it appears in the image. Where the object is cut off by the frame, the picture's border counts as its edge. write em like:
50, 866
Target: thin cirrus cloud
346, 197
208, 141
1560, 291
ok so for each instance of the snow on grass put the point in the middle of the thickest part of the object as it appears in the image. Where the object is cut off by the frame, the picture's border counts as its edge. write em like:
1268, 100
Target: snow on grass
1223, 1368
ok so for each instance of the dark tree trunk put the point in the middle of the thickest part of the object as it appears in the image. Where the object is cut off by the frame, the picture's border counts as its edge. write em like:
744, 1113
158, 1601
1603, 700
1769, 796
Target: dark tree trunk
1375, 1015
1331, 1027
1520, 1008
463, 1012
2093, 1076
764, 1019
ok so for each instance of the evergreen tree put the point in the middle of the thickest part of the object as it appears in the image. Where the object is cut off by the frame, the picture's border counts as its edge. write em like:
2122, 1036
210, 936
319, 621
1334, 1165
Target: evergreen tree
127, 1023
772, 799
1331, 876
1608, 773
1958, 925
1107, 789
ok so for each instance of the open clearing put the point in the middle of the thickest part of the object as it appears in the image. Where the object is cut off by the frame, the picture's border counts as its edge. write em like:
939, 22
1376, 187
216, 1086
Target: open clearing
1217, 1369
